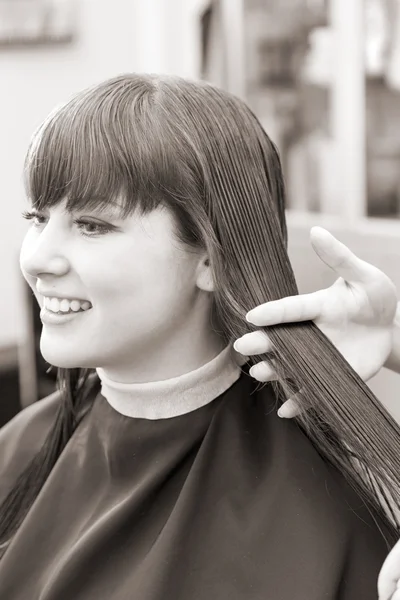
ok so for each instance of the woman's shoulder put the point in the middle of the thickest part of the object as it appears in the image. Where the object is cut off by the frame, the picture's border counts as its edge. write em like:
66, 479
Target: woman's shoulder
300, 475
37, 412
23, 435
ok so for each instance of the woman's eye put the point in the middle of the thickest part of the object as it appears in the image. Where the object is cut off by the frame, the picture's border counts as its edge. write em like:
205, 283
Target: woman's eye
91, 229
85, 228
31, 215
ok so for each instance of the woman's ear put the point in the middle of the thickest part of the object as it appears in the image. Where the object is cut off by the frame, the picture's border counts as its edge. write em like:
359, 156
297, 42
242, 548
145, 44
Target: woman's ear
205, 280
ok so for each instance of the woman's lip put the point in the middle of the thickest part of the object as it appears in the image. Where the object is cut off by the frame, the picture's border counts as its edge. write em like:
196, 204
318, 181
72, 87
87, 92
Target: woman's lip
50, 318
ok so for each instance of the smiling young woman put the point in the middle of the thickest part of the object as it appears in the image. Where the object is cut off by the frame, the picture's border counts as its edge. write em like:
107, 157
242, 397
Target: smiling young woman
159, 469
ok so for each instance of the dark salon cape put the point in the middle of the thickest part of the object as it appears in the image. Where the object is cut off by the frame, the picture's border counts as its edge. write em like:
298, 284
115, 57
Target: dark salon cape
227, 502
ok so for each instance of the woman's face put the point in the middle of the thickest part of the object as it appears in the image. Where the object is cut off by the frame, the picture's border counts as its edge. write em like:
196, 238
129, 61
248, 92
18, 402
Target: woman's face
149, 296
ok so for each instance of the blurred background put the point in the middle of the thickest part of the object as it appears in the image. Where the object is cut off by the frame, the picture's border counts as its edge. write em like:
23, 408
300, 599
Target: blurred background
323, 76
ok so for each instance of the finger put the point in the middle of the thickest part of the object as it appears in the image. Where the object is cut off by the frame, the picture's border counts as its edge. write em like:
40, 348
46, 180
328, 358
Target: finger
305, 307
340, 258
292, 407
389, 574
396, 595
263, 372
256, 342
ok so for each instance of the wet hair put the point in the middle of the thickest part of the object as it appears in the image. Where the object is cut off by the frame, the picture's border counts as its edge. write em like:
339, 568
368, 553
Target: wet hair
146, 141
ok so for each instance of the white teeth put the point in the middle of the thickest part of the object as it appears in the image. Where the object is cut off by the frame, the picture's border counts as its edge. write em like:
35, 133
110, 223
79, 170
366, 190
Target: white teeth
54, 305
75, 305
64, 305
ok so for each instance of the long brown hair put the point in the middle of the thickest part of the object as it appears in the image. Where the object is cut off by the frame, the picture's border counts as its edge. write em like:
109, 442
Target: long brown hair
201, 152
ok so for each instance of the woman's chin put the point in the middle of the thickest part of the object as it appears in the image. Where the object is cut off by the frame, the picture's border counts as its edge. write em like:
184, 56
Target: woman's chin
59, 357
60, 363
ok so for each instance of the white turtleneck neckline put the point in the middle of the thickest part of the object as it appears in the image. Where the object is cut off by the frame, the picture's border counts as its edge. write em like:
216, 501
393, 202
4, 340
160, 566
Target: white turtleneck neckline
176, 396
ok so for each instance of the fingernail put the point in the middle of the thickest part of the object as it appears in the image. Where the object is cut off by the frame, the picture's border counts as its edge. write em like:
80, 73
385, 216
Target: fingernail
282, 412
235, 346
249, 318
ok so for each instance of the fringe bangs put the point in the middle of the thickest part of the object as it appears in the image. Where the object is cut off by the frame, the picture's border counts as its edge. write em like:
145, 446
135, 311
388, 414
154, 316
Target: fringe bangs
102, 147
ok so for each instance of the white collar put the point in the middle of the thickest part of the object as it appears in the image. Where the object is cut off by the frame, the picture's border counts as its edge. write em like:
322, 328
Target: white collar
176, 396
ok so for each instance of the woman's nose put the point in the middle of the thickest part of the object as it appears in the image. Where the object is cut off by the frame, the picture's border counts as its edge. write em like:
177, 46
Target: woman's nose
43, 254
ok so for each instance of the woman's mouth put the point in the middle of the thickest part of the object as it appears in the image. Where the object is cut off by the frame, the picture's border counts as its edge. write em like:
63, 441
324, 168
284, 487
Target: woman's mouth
66, 306
57, 311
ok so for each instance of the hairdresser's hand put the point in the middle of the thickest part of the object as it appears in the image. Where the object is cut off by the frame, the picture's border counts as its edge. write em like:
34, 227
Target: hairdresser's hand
356, 313
389, 577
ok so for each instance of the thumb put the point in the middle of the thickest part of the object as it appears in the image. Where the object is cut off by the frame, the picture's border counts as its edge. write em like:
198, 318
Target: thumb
340, 258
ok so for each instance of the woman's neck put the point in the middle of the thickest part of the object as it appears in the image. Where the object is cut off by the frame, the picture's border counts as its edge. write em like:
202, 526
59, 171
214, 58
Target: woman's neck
175, 356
